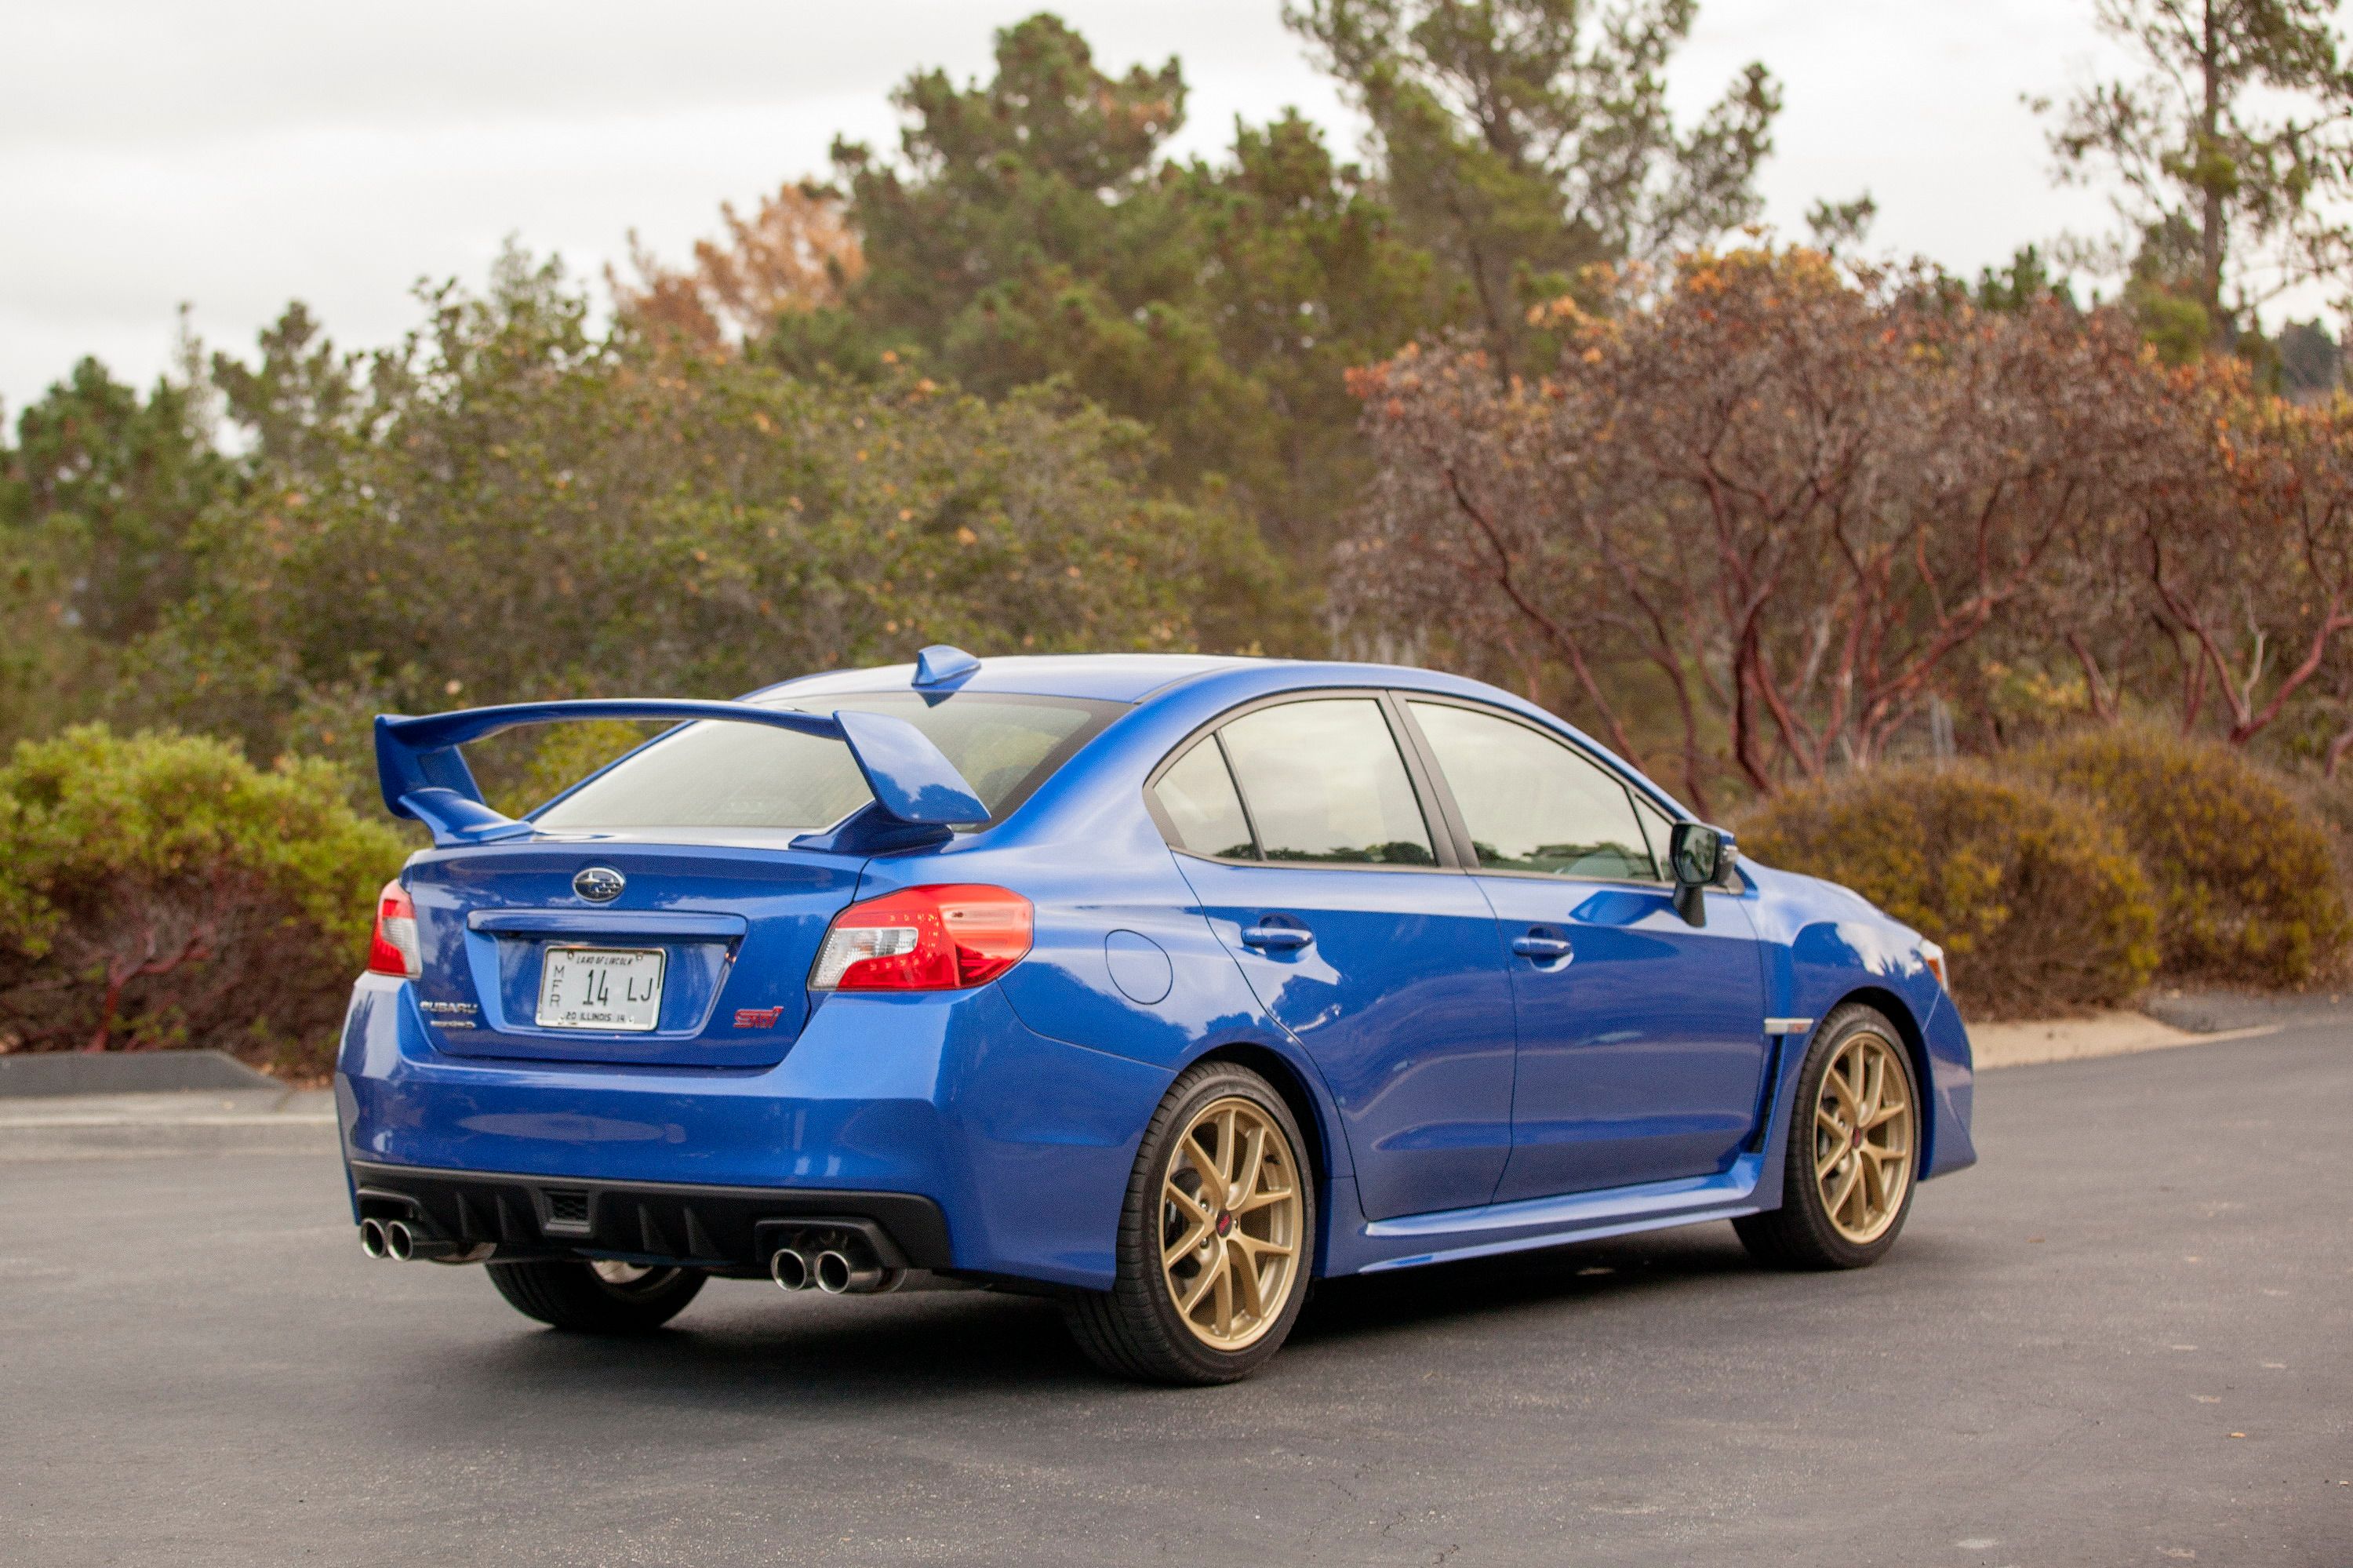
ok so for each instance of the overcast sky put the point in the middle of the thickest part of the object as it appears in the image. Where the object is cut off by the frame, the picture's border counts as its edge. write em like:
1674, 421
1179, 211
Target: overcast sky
238, 156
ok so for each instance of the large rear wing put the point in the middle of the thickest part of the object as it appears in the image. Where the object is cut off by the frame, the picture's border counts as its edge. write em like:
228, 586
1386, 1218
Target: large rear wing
424, 776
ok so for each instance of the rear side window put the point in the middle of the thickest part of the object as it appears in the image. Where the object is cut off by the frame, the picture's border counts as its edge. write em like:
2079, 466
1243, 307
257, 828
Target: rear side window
741, 776
1323, 782
1198, 799
1533, 804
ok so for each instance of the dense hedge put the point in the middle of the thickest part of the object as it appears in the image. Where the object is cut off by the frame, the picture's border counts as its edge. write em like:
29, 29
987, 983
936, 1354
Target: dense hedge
2248, 888
158, 889
2039, 902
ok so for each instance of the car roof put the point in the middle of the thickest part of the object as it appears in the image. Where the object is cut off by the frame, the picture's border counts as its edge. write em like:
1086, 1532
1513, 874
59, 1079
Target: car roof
1133, 677
1109, 677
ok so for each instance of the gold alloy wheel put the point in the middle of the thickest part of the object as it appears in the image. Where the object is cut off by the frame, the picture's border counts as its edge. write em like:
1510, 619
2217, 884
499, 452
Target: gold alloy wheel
1862, 1137
1231, 1217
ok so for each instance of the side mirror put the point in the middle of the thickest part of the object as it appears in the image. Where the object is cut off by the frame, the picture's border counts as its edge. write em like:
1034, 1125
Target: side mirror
1702, 858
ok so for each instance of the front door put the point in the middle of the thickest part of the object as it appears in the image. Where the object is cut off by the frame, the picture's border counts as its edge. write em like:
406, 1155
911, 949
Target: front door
1641, 1042
1323, 878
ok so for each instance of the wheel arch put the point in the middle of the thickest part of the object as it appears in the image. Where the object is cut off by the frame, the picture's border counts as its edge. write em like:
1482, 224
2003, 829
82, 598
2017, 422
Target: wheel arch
1896, 1011
1291, 1084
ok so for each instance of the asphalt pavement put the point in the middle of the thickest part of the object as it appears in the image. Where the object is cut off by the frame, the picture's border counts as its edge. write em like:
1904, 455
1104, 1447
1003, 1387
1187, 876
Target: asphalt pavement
2125, 1338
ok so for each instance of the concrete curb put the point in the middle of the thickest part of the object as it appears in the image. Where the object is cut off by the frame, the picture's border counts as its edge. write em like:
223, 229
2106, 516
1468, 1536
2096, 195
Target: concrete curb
53, 1072
246, 1121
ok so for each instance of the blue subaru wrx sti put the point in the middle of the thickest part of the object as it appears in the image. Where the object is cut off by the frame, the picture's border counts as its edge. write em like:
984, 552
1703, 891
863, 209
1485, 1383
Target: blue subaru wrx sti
1161, 985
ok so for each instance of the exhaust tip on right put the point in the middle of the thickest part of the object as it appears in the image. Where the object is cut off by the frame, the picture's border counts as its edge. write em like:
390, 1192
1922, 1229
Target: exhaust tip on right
372, 1239
833, 1272
399, 1243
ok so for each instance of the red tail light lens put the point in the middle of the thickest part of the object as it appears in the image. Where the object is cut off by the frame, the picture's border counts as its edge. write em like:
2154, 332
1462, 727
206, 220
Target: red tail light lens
393, 951
924, 938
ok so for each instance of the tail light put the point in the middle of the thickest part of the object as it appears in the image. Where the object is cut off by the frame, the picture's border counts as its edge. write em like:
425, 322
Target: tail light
924, 938
393, 951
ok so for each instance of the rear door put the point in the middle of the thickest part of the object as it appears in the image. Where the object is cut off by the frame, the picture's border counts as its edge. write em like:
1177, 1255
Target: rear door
1641, 1042
1305, 840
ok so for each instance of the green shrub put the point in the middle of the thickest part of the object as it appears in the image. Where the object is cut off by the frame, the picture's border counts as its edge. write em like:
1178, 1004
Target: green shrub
2038, 902
2244, 875
159, 890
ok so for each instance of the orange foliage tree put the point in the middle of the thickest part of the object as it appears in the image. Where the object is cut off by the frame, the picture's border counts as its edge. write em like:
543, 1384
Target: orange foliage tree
1785, 501
797, 253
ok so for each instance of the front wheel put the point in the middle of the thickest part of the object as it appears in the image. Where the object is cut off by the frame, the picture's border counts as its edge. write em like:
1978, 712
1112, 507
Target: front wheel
1216, 1238
604, 1298
1853, 1149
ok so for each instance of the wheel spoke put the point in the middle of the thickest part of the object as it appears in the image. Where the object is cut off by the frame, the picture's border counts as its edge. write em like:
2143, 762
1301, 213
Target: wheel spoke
1224, 1297
1257, 1249
1211, 1272
1830, 1161
1253, 1165
1837, 1204
1245, 1272
1838, 1083
1887, 1113
1265, 1199
1200, 1232
1189, 1203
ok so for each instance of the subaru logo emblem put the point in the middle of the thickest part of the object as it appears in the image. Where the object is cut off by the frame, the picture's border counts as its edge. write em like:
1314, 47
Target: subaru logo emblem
599, 884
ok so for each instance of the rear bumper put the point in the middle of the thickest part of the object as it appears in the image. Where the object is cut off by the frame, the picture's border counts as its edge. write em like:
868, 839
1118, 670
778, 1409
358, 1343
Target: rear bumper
712, 1227
1021, 1144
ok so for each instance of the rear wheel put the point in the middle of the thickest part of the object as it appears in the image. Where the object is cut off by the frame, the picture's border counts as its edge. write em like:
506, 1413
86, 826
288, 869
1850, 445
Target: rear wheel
1853, 1148
1216, 1238
603, 1298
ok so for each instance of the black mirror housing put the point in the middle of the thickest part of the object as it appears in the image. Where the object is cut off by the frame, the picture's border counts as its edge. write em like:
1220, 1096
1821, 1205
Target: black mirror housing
1702, 857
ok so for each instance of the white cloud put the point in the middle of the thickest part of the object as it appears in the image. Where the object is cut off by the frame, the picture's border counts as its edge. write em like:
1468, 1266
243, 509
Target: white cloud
240, 155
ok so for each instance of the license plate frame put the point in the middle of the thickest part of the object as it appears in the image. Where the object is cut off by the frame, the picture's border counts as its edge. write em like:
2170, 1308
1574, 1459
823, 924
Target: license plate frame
633, 1015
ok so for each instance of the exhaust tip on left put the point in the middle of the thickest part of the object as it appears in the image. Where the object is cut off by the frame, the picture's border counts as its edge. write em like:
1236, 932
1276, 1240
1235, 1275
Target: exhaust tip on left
372, 1239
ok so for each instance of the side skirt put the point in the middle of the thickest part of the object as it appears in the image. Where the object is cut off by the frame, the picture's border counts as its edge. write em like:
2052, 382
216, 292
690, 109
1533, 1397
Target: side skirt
1358, 1245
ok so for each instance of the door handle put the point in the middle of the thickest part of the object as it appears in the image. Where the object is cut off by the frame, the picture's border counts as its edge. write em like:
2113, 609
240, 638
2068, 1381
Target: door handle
1277, 939
1540, 948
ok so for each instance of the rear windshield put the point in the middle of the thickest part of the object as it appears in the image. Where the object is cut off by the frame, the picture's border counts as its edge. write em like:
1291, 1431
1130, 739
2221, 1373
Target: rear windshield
721, 775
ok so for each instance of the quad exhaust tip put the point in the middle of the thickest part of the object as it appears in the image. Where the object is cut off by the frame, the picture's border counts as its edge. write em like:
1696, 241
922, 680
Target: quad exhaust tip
372, 1239
399, 1241
838, 1273
832, 1271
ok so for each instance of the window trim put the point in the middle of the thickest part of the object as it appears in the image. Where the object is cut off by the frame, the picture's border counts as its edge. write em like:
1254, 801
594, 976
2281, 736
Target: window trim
1434, 822
1459, 829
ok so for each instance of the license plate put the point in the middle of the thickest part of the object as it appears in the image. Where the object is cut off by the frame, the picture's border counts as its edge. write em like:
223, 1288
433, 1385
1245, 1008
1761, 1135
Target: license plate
600, 988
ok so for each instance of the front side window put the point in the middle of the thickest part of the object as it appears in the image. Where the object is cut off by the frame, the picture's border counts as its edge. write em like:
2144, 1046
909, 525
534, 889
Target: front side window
1533, 804
1323, 781
718, 774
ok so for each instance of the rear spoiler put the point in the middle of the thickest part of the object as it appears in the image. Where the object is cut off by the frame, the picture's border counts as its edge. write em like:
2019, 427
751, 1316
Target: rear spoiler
424, 777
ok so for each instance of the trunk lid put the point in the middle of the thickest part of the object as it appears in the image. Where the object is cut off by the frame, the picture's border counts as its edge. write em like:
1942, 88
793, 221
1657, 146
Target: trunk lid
737, 927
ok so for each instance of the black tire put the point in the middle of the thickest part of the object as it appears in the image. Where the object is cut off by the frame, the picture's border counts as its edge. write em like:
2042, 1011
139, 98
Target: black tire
1801, 1232
1134, 1330
575, 1296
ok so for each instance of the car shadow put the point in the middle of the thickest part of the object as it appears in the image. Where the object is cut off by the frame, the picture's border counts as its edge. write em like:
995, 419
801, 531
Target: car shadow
1369, 1305
741, 1349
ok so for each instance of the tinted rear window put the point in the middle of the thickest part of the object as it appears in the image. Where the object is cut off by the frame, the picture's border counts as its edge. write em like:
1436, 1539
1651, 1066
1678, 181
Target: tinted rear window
721, 775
